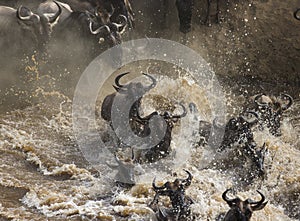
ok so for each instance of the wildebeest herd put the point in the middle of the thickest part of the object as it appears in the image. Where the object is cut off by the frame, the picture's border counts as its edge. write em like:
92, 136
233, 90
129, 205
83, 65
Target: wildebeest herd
85, 26
77, 26
265, 112
98, 24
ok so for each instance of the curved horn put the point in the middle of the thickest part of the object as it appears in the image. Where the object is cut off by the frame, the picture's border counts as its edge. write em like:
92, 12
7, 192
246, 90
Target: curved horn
23, 18
260, 204
132, 154
117, 79
157, 187
147, 118
189, 178
122, 24
96, 12
289, 98
154, 82
54, 17
117, 159
297, 14
253, 119
98, 30
257, 97
225, 197
183, 114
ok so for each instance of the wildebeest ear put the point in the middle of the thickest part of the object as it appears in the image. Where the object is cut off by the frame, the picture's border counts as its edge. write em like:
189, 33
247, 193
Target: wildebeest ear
24, 13
259, 206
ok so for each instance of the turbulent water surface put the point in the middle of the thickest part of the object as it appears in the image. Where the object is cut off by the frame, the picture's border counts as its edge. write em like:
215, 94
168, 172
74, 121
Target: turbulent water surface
43, 173
44, 176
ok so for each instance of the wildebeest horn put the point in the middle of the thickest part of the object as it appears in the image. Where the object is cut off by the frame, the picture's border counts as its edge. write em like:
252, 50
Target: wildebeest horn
225, 197
120, 90
122, 24
117, 159
260, 204
117, 79
96, 11
147, 118
190, 177
110, 13
24, 18
181, 115
132, 154
251, 120
54, 17
98, 30
154, 82
257, 97
297, 14
289, 98
157, 187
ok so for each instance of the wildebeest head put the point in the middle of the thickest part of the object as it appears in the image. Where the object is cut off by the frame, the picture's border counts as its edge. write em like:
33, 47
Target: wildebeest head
162, 126
238, 129
270, 110
104, 29
185, 8
176, 192
131, 92
39, 25
242, 210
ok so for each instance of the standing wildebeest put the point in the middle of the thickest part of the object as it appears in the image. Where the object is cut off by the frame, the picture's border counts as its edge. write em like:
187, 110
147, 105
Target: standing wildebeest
22, 34
50, 7
116, 9
270, 110
83, 36
185, 12
242, 210
22, 31
104, 8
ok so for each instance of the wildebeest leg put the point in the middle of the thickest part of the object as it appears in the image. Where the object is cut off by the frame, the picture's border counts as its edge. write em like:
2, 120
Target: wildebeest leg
165, 12
185, 11
218, 12
207, 19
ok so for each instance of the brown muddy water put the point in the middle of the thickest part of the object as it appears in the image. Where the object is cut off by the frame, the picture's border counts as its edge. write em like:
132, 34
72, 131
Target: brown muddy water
44, 176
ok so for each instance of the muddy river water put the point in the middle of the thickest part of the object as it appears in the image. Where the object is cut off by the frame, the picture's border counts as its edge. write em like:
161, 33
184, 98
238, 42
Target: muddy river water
44, 175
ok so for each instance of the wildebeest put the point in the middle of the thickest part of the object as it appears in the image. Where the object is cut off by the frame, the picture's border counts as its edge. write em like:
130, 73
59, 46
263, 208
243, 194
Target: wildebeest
81, 37
270, 110
176, 192
23, 31
162, 149
242, 210
238, 130
185, 12
238, 138
51, 7
131, 92
118, 8
111, 10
